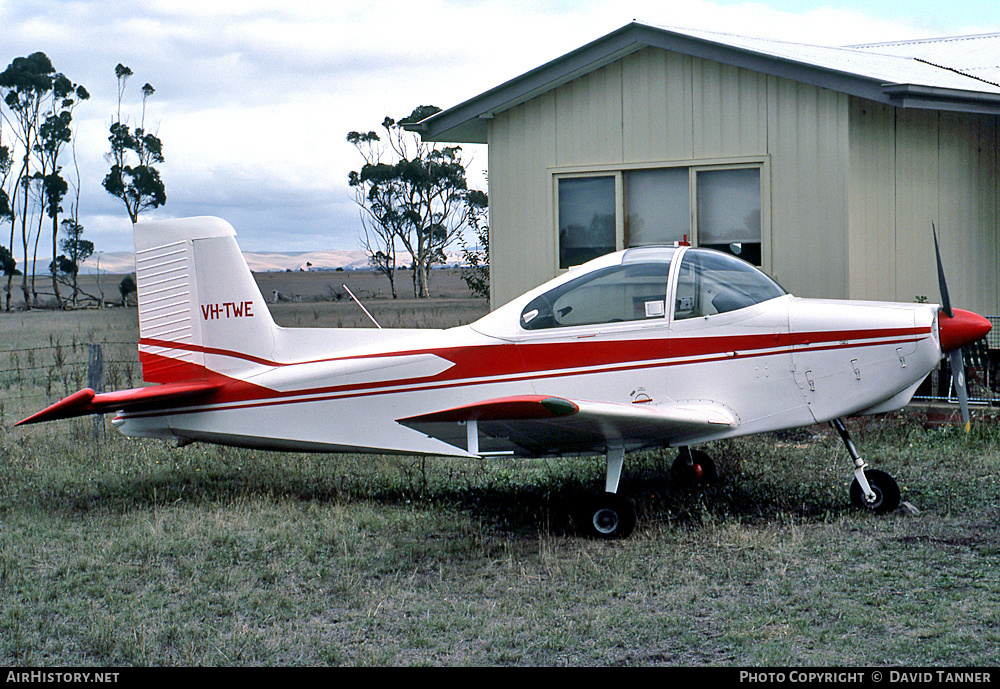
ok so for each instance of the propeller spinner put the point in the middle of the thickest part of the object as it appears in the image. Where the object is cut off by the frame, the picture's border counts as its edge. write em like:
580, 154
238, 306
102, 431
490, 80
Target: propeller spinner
956, 329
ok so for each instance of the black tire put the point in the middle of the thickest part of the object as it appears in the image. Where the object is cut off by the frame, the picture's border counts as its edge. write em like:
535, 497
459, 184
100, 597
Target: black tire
885, 488
702, 471
610, 517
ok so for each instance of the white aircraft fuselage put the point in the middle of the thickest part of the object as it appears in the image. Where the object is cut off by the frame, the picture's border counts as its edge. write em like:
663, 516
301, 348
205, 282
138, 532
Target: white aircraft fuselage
654, 347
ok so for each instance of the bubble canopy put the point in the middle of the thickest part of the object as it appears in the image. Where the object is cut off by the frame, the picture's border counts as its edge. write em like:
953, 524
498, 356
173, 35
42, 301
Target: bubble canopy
635, 287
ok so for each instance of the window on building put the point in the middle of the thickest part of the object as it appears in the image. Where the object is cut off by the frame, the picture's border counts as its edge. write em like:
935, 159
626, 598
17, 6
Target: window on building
715, 206
587, 219
729, 211
658, 203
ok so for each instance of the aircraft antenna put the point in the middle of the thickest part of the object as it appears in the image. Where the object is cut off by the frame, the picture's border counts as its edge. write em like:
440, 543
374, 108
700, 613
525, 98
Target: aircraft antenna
358, 302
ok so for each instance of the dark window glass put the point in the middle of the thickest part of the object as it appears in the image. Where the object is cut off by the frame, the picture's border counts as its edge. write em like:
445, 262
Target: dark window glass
586, 219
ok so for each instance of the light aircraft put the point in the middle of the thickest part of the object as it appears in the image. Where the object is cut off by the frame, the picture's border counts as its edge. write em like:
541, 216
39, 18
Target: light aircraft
647, 347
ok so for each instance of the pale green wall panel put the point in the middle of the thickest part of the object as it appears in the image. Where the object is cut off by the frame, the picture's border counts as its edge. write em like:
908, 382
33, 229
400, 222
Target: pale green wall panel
522, 243
656, 106
872, 202
589, 118
967, 205
730, 111
808, 146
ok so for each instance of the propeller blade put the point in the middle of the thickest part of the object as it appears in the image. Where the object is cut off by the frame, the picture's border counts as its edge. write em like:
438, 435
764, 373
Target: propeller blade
942, 284
958, 378
954, 356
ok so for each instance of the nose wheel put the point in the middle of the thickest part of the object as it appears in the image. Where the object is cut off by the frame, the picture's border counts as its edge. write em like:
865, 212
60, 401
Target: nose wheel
884, 496
872, 490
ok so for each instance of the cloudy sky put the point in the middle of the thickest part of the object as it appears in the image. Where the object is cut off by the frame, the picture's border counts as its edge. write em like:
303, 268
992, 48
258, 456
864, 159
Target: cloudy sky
254, 98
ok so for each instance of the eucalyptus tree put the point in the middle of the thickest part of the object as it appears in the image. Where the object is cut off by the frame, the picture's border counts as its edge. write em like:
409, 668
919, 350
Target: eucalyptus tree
8, 266
39, 114
132, 177
76, 250
379, 226
25, 84
54, 133
476, 268
411, 192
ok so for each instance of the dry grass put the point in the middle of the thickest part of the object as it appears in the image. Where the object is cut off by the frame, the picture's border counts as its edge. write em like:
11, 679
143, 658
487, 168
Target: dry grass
136, 554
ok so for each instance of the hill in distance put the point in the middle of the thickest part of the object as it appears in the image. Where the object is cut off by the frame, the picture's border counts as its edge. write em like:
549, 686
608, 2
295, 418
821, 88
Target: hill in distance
121, 262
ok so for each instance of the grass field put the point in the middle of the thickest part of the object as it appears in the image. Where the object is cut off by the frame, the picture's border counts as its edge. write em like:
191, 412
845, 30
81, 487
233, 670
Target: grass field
123, 552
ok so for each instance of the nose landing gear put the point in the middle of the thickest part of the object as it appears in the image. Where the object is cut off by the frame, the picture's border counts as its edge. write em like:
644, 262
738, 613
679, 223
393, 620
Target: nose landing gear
872, 490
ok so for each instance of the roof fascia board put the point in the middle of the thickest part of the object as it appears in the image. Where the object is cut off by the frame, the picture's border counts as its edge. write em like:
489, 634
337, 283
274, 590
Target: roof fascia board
940, 93
928, 98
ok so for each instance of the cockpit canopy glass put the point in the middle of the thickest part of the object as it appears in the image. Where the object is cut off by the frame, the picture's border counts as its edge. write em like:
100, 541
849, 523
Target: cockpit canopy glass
628, 292
711, 282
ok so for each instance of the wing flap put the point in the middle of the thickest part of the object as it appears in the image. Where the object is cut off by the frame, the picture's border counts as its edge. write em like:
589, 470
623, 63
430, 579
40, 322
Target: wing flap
540, 425
86, 401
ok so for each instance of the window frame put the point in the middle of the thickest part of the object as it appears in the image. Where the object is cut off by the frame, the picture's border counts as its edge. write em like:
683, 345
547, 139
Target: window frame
694, 166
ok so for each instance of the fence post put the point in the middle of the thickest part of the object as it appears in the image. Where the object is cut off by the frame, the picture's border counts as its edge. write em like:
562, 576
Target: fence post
95, 381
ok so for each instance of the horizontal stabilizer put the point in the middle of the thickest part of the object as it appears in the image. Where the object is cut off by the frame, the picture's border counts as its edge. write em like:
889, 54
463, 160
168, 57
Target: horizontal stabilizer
86, 401
541, 425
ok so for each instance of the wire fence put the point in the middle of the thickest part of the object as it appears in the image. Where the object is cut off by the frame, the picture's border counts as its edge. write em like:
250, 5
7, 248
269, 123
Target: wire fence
33, 377
982, 373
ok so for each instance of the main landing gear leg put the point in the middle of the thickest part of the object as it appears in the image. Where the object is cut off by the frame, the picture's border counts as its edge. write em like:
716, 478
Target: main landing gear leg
874, 491
610, 515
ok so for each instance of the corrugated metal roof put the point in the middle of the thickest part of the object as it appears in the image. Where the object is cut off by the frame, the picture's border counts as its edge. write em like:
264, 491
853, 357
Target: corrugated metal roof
958, 73
977, 56
953, 63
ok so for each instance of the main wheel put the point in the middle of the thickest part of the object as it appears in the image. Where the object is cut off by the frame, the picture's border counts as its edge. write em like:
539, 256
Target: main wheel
885, 489
611, 516
700, 471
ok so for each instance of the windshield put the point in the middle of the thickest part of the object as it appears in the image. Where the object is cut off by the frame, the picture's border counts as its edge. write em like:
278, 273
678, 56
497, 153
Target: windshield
711, 282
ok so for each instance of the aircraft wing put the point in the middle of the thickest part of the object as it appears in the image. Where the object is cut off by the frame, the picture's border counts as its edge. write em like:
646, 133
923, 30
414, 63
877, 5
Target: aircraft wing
86, 401
536, 425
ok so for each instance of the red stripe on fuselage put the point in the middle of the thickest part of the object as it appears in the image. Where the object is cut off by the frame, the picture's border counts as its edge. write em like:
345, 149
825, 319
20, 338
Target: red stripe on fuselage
501, 363
578, 354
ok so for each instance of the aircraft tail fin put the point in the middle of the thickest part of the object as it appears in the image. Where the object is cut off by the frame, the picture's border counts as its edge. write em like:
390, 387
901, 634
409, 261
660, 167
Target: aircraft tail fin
201, 313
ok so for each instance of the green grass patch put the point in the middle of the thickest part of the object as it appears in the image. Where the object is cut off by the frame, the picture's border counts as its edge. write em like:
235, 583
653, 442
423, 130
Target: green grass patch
135, 553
